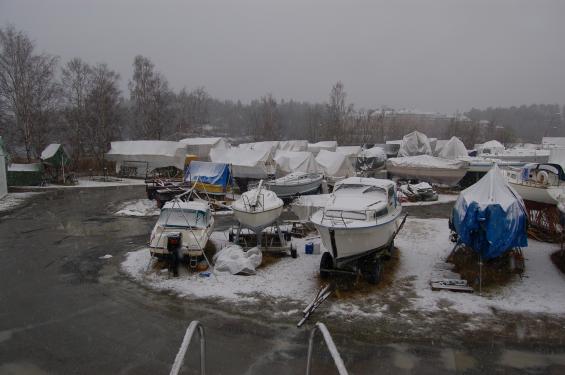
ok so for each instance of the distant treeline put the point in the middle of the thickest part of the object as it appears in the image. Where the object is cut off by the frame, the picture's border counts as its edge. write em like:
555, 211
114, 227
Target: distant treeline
44, 100
528, 123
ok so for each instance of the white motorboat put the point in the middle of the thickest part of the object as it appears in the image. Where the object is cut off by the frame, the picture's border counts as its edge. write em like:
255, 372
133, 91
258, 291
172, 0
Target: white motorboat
428, 168
296, 183
541, 183
258, 208
193, 220
361, 217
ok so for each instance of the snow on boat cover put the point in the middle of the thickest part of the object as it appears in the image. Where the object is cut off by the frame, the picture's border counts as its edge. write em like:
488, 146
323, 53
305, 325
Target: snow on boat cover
490, 216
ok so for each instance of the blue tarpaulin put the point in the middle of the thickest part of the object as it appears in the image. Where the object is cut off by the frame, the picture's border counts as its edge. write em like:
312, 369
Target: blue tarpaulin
490, 216
208, 173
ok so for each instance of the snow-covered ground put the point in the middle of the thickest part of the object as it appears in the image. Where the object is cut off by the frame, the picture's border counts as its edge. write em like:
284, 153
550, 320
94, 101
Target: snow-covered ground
287, 278
87, 182
139, 207
423, 244
442, 198
13, 200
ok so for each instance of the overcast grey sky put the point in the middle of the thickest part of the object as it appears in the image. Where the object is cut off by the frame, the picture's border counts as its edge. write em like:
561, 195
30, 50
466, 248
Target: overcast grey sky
434, 55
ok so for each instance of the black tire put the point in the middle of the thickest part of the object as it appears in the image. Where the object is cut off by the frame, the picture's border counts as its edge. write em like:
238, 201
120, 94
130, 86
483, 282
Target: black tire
293, 252
326, 263
375, 272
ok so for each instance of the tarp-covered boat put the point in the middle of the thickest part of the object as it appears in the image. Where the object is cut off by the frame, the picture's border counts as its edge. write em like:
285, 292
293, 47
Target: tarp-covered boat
139, 158
296, 183
428, 168
212, 178
415, 143
335, 166
295, 161
490, 216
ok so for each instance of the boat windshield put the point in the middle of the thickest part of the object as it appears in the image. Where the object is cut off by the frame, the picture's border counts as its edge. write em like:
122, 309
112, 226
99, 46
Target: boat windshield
354, 215
176, 217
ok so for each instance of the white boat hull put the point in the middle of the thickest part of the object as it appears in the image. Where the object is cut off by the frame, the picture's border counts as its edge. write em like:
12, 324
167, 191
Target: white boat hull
285, 191
444, 176
192, 240
540, 194
350, 243
258, 219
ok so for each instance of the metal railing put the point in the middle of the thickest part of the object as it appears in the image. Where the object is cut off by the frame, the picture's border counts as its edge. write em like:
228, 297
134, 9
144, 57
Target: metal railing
195, 324
331, 348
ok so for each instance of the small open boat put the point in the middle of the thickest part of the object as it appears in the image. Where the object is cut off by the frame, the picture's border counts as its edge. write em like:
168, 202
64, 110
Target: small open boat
193, 220
258, 208
297, 183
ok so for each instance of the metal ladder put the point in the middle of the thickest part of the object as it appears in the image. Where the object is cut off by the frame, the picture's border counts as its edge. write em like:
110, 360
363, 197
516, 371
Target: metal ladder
196, 325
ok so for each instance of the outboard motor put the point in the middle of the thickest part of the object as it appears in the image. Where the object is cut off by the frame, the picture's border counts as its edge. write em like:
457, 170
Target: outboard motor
174, 241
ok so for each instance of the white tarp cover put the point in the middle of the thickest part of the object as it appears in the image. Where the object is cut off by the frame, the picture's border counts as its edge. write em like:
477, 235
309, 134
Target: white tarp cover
49, 151
335, 165
374, 152
550, 142
349, 151
415, 143
293, 145
201, 146
234, 260
557, 156
151, 154
439, 145
296, 161
323, 145
270, 146
493, 146
245, 163
425, 161
453, 149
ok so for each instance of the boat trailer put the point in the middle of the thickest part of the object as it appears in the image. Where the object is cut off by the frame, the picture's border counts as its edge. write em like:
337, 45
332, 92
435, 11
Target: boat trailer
269, 238
369, 265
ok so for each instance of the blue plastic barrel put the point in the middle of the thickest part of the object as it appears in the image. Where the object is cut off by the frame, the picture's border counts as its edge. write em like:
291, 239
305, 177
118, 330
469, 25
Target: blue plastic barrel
309, 248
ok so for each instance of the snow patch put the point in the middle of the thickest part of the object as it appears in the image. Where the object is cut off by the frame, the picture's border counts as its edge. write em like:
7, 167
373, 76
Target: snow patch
13, 200
139, 207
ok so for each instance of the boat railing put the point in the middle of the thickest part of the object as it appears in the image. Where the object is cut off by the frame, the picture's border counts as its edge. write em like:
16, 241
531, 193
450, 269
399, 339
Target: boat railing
247, 203
179, 359
331, 348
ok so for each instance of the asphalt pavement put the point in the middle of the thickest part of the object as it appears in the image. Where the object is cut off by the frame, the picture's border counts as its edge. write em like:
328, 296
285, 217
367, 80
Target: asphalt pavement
63, 310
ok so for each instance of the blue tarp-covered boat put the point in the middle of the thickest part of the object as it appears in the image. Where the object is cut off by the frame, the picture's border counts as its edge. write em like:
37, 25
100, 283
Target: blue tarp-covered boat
490, 216
213, 178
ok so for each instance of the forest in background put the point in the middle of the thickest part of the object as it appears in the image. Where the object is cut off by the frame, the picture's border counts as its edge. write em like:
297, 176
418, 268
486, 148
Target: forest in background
45, 100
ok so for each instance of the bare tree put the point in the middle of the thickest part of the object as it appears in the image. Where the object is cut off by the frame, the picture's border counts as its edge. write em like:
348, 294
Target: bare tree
337, 111
76, 80
103, 106
199, 99
269, 118
27, 87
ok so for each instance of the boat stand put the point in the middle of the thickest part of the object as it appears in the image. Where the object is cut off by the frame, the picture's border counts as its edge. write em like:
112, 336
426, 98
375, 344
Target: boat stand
269, 238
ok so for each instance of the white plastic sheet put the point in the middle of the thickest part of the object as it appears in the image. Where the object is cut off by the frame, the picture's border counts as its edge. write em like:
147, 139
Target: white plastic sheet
151, 154
453, 149
414, 144
232, 259
245, 163
335, 165
201, 146
296, 161
293, 145
315, 148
